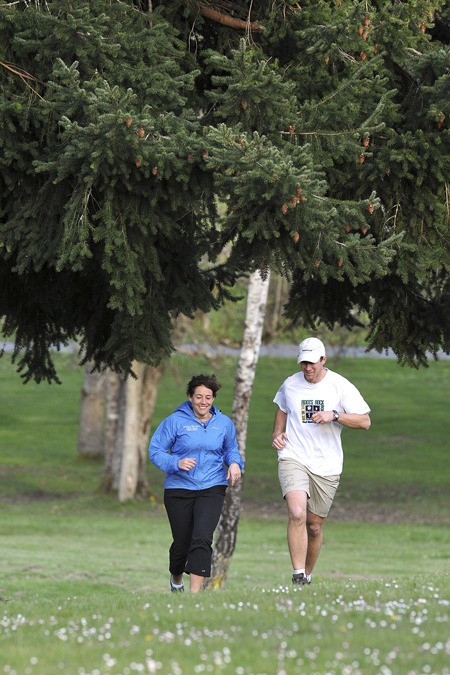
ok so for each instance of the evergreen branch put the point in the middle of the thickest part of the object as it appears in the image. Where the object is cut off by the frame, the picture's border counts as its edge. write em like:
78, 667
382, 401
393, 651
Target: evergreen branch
361, 71
345, 132
447, 199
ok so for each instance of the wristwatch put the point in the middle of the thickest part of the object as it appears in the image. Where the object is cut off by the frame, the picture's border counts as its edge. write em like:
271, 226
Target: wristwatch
335, 415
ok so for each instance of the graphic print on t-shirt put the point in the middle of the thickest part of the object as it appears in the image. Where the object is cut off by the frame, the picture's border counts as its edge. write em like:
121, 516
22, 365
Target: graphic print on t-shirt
309, 407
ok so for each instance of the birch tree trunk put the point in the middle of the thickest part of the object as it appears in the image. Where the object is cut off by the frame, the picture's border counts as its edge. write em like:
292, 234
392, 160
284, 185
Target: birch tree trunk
92, 412
226, 533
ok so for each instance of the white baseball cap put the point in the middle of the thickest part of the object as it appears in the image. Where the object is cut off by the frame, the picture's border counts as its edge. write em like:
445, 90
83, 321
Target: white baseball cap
311, 349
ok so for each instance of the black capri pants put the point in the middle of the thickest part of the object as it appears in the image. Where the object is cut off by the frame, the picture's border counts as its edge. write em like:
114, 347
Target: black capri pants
193, 517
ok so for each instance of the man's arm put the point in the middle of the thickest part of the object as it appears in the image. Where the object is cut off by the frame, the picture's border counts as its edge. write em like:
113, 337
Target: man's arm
279, 426
355, 421
350, 420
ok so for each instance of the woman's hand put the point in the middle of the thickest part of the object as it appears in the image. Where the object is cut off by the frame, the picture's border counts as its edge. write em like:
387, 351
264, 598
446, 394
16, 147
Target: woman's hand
234, 473
187, 463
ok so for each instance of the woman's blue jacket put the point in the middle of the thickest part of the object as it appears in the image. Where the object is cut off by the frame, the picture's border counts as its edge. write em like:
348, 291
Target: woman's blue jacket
213, 444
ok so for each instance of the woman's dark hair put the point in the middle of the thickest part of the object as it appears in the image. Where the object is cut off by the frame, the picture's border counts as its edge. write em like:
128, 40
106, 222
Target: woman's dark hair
208, 381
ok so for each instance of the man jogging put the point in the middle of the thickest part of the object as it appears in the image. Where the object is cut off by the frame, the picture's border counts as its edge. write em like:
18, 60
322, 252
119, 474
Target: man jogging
313, 407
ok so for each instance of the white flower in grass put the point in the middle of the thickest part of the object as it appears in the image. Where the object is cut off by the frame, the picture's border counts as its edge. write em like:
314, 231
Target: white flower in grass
109, 660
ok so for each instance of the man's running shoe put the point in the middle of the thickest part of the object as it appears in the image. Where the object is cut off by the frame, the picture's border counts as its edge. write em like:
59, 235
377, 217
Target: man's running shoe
176, 587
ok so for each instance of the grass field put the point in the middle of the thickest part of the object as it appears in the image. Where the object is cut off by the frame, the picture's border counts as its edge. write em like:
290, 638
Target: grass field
83, 579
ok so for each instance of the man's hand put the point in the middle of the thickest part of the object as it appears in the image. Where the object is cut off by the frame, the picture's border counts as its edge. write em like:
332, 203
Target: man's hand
323, 417
279, 440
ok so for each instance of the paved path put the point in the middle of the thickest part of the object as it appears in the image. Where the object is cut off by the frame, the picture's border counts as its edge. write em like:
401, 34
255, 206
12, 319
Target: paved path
291, 351
280, 350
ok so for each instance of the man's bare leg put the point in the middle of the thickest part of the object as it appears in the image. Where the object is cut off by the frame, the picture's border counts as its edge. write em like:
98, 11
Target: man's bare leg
296, 532
314, 526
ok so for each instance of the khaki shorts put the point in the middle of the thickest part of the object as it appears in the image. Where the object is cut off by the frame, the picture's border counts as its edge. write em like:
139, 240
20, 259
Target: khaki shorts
321, 490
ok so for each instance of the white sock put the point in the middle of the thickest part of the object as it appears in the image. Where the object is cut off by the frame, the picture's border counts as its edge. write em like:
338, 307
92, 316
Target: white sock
308, 577
299, 571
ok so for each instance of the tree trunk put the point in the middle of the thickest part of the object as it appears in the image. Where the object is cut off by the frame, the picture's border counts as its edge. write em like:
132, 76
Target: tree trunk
149, 392
127, 437
226, 533
130, 406
278, 302
110, 480
92, 412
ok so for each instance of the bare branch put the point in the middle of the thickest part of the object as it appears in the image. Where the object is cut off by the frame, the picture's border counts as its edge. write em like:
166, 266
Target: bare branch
24, 76
230, 21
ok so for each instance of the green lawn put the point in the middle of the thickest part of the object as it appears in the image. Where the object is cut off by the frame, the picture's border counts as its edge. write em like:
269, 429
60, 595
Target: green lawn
398, 464
398, 461
83, 579
84, 588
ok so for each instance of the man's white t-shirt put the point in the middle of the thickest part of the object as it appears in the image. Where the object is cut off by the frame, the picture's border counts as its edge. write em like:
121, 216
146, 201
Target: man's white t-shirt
317, 446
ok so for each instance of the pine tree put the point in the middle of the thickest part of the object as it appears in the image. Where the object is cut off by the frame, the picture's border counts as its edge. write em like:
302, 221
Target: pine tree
322, 127
104, 214
405, 160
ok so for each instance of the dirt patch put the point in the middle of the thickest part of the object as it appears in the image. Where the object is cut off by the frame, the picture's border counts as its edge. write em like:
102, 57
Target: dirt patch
382, 512
362, 512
